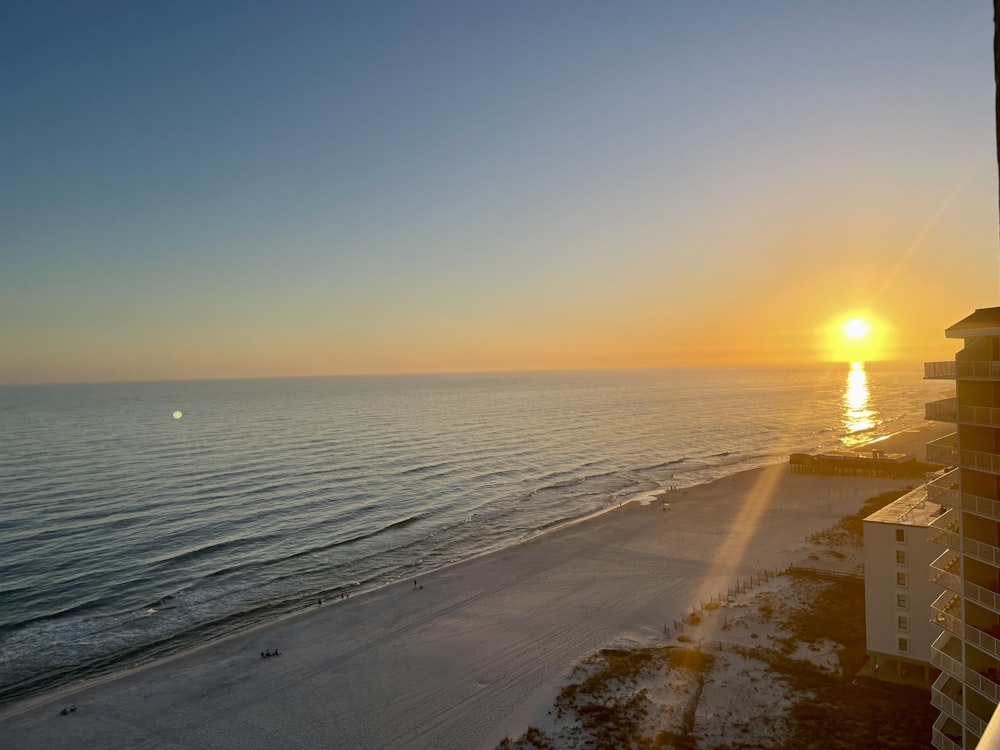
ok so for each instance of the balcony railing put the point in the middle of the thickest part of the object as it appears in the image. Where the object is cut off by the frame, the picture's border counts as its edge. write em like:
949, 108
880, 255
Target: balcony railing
946, 729
982, 415
946, 613
944, 410
974, 723
947, 521
944, 450
983, 595
983, 640
944, 661
949, 686
984, 506
941, 741
948, 410
962, 370
944, 529
945, 571
981, 460
949, 539
940, 370
947, 705
944, 489
949, 581
981, 551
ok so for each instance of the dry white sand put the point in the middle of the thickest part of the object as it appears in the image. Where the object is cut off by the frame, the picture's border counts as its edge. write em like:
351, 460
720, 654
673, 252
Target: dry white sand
477, 654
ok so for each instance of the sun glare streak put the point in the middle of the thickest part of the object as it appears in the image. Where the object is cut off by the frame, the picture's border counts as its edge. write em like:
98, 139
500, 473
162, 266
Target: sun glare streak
925, 230
729, 561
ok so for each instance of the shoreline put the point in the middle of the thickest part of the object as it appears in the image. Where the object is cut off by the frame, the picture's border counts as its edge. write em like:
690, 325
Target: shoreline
543, 578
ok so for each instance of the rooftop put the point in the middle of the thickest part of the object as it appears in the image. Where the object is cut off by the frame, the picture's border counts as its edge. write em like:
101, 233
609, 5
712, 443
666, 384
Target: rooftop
983, 322
912, 509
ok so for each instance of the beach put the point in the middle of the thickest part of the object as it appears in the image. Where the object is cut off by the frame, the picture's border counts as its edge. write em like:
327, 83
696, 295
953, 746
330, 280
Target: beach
469, 653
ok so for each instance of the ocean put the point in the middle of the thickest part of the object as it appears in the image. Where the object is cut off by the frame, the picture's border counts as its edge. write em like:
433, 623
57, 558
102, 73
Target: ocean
141, 519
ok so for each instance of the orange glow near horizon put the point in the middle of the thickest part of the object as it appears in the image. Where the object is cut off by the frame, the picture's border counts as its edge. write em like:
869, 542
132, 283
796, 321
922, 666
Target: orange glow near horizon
856, 338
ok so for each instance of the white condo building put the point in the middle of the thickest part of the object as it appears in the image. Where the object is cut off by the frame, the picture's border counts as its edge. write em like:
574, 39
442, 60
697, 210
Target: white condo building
967, 648
898, 591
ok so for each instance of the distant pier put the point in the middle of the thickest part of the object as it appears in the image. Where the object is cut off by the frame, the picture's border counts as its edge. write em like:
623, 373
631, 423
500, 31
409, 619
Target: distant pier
873, 463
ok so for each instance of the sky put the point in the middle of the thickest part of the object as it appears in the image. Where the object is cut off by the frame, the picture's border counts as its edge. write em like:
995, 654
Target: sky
258, 189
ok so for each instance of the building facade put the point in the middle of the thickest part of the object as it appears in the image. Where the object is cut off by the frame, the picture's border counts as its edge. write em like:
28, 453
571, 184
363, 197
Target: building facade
967, 613
898, 591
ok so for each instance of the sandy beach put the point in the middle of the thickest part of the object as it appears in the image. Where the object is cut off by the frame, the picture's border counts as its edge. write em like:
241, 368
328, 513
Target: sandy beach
477, 650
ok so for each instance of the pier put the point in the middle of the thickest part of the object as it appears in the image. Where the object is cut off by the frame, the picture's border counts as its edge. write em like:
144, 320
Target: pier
874, 463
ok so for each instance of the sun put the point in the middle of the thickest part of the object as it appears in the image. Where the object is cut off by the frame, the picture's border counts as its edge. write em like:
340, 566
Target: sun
856, 329
855, 336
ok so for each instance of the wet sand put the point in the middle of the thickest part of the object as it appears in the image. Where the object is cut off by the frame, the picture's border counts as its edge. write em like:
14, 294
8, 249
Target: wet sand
480, 651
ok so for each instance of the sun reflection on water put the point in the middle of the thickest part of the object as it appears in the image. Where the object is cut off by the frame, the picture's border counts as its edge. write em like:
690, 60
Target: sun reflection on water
858, 417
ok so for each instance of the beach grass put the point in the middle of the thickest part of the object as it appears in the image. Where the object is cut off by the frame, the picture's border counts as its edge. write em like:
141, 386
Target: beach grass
652, 697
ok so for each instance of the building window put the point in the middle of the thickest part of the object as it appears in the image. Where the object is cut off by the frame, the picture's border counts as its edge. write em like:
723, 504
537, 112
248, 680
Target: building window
900, 535
904, 645
900, 557
901, 601
900, 579
903, 622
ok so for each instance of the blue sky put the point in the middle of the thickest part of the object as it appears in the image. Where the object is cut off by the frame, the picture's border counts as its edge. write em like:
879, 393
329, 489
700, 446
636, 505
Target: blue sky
243, 189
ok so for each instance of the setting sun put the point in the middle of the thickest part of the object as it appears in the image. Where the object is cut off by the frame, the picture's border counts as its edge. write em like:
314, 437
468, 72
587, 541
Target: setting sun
859, 336
855, 328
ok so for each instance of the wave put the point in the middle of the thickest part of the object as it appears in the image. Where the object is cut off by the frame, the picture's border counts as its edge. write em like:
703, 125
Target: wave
236, 521
262, 564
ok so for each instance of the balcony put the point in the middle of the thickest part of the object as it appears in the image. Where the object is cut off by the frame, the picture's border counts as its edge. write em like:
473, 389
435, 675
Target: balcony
944, 530
947, 733
945, 570
962, 370
945, 704
946, 695
987, 642
984, 506
974, 723
945, 653
988, 416
944, 450
944, 410
946, 613
944, 489
940, 370
948, 410
987, 553
977, 460
986, 597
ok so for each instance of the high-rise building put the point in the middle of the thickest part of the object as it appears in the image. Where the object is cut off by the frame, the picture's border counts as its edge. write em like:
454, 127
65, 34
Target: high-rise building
898, 592
968, 611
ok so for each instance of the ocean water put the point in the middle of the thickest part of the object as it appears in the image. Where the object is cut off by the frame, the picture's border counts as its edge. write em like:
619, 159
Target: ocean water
128, 534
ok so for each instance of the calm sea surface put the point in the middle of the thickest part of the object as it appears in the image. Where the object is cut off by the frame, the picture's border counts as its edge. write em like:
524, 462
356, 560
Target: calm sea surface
127, 533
